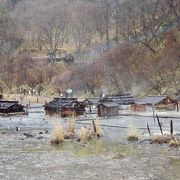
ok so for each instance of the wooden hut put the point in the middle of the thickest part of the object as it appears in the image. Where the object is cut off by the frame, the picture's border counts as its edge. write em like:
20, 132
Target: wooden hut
107, 109
9, 107
91, 103
138, 107
177, 101
64, 107
159, 102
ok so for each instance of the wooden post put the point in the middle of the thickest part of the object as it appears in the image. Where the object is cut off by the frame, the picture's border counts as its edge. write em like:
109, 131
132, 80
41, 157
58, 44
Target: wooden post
177, 106
159, 124
90, 108
27, 108
153, 114
94, 126
149, 130
171, 127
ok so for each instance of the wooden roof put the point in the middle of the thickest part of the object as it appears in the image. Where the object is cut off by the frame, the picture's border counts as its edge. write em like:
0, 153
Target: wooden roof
153, 99
59, 102
6, 101
121, 99
139, 103
94, 101
5, 105
177, 98
109, 104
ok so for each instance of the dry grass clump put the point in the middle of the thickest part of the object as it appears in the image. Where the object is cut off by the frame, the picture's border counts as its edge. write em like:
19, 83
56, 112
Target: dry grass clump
57, 134
71, 125
97, 129
158, 139
85, 135
174, 143
118, 155
132, 134
70, 133
168, 138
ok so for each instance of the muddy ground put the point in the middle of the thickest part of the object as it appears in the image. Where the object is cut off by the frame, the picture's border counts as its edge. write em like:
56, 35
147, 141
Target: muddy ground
23, 157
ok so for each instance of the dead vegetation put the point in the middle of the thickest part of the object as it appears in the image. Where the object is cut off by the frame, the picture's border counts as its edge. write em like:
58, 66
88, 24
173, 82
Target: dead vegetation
157, 139
71, 128
96, 128
162, 138
174, 143
85, 134
57, 134
71, 125
118, 155
166, 139
133, 134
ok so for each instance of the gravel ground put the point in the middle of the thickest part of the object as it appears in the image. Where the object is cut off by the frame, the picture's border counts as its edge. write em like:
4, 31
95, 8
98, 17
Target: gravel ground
34, 158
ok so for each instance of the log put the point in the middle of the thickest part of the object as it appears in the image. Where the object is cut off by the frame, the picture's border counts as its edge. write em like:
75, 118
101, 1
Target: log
144, 140
28, 135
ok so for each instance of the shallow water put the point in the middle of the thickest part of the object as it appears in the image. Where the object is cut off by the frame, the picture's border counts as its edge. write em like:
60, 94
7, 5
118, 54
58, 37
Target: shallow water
96, 147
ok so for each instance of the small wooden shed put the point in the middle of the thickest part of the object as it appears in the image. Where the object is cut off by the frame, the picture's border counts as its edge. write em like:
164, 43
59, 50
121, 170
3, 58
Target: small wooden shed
138, 107
108, 109
177, 100
8, 107
90, 103
160, 102
64, 107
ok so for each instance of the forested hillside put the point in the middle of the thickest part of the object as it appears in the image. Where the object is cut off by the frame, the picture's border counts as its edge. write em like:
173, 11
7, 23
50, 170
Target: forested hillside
90, 46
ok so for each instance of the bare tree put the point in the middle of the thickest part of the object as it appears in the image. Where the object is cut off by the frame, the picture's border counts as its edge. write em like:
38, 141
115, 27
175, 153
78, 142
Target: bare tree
98, 21
153, 15
10, 41
82, 25
105, 5
53, 27
21, 64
